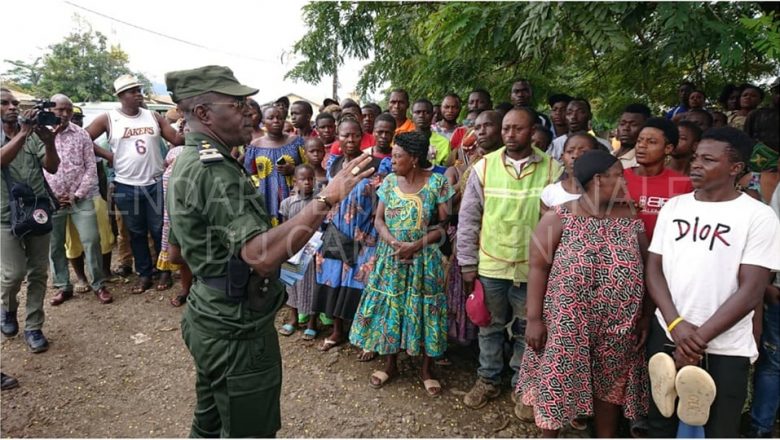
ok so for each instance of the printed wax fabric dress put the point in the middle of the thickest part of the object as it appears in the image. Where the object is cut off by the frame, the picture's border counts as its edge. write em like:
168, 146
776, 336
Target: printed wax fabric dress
260, 163
339, 285
404, 306
591, 309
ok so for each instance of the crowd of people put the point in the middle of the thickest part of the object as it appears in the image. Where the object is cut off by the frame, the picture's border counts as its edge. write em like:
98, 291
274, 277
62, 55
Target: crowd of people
630, 275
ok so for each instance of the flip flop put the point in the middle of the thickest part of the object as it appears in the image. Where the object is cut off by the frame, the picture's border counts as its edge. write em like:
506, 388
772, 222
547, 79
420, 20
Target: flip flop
287, 330
143, 285
179, 300
430, 385
662, 375
309, 334
380, 376
164, 284
327, 344
443, 361
579, 423
366, 356
697, 392
81, 287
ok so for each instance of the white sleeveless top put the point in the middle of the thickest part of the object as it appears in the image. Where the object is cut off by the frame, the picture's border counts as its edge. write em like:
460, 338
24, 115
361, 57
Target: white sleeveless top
135, 142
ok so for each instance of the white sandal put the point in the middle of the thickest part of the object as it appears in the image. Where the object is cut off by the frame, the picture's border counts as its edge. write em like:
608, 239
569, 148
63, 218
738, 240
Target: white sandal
662, 373
697, 392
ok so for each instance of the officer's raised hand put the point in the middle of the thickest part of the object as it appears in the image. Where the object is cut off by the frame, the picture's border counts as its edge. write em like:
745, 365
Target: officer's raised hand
342, 184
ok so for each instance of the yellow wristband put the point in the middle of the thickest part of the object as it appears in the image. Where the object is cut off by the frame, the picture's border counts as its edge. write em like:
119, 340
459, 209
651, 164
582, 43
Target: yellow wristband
674, 323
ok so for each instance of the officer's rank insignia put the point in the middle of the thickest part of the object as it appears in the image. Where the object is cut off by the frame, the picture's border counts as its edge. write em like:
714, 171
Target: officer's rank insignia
209, 154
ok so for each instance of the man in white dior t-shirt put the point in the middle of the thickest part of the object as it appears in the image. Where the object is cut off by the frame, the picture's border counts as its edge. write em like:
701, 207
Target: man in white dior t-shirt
710, 260
134, 137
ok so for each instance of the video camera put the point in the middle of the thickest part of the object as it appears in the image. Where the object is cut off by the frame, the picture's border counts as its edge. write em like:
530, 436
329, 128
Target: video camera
45, 117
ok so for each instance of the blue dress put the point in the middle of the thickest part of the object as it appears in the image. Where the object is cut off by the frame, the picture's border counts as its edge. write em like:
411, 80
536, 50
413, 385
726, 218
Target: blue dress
260, 163
339, 286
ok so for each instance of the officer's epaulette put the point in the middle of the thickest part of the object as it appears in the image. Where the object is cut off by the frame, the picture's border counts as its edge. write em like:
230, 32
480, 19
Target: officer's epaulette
209, 154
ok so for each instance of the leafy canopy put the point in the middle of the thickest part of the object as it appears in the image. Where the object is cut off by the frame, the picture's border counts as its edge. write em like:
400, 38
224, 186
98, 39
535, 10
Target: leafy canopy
82, 66
612, 53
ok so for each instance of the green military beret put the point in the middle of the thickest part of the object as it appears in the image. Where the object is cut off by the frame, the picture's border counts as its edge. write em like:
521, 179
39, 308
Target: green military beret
188, 83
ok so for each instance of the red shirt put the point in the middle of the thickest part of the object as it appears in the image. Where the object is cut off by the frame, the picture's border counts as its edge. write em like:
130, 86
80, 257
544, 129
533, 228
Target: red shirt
367, 141
651, 193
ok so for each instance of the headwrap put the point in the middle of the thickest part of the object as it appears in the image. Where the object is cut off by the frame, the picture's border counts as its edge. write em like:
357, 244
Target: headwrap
591, 163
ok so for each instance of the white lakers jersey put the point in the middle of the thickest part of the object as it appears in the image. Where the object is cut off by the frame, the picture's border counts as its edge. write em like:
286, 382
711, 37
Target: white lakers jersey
135, 142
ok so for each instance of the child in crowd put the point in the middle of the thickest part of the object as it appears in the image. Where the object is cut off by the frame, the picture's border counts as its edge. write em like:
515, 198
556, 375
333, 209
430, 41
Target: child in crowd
708, 267
302, 292
163, 260
326, 129
314, 150
567, 189
680, 159
542, 137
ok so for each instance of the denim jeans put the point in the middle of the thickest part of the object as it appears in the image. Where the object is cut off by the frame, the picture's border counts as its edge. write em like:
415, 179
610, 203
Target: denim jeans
766, 397
142, 212
84, 218
25, 257
506, 303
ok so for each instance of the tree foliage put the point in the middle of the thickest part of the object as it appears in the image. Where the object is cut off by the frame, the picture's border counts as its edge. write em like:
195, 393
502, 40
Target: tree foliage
612, 53
82, 66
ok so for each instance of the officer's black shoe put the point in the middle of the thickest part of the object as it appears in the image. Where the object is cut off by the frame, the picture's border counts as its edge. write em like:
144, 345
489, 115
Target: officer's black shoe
36, 341
8, 382
9, 326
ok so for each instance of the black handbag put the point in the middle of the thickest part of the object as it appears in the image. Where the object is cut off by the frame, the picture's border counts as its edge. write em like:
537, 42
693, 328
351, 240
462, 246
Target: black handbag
339, 246
30, 213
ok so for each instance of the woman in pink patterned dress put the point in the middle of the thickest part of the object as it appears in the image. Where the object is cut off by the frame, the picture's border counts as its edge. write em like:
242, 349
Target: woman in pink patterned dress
585, 331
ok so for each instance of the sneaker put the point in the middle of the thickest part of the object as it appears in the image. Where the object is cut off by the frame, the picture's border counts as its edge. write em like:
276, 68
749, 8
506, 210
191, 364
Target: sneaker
697, 392
9, 326
662, 374
36, 341
479, 395
7, 382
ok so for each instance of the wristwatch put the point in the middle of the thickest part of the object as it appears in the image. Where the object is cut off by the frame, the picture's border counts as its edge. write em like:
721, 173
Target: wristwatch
324, 200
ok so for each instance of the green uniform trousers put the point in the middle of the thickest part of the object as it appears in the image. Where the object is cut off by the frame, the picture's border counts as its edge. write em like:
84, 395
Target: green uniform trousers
25, 257
238, 384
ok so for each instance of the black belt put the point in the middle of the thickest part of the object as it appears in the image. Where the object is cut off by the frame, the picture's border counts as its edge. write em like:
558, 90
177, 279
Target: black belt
220, 283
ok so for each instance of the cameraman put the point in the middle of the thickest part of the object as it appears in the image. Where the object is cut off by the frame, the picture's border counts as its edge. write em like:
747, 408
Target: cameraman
26, 148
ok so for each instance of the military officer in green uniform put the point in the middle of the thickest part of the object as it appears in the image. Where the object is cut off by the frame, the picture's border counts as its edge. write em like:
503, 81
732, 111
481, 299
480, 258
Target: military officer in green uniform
220, 228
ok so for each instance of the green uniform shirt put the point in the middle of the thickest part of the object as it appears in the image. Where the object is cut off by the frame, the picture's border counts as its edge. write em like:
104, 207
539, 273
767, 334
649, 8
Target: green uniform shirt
26, 167
214, 210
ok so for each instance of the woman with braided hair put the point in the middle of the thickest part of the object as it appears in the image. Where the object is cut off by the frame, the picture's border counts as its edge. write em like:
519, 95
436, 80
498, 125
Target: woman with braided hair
404, 306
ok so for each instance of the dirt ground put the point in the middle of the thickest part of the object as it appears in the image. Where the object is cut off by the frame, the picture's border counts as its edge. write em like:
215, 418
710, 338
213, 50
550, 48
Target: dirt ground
122, 370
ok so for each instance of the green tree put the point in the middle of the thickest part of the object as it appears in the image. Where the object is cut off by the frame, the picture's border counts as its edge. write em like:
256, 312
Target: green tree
334, 26
613, 53
82, 66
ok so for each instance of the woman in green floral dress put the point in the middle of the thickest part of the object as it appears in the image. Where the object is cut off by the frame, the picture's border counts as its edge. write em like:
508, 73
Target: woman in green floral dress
404, 306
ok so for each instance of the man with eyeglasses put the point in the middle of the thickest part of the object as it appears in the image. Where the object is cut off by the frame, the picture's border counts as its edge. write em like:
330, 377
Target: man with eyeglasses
26, 148
134, 138
221, 230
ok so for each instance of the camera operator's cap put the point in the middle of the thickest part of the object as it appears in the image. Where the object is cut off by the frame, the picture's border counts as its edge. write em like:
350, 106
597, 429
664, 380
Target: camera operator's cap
126, 82
184, 84
78, 112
